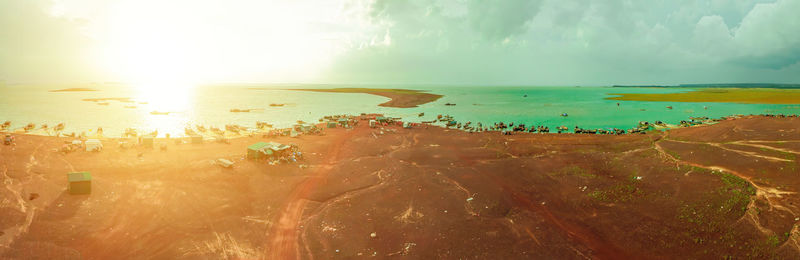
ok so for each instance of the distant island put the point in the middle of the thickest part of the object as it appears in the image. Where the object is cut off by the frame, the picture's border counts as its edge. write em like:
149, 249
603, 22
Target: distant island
717, 85
73, 90
719, 95
401, 98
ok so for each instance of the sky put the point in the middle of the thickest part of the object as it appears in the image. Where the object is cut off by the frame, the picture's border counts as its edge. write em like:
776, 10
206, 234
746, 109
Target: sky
445, 42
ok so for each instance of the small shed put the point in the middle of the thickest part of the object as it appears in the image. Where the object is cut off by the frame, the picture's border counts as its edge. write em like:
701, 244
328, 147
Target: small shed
79, 182
93, 145
148, 141
197, 139
331, 124
254, 150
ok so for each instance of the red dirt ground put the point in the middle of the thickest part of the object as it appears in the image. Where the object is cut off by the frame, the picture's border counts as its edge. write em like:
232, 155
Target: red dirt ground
702, 192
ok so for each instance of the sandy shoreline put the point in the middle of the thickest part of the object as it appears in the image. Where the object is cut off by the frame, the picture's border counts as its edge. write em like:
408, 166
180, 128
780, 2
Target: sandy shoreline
424, 192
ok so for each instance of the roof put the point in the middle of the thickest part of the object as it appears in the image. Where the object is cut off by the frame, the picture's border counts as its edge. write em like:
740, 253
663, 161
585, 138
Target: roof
258, 146
79, 176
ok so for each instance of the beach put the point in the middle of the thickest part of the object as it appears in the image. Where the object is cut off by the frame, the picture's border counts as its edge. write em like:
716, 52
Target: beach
424, 192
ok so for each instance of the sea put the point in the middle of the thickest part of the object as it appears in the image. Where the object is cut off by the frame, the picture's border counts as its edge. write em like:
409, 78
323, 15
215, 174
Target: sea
586, 107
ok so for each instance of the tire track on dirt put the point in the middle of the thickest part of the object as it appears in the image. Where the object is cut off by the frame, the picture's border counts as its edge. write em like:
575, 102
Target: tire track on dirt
283, 242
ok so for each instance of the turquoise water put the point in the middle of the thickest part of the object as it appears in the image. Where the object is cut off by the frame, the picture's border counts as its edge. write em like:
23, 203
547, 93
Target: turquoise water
586, 107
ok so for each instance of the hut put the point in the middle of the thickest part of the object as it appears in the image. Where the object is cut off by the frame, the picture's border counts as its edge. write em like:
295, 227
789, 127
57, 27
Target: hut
79, 182
254, 150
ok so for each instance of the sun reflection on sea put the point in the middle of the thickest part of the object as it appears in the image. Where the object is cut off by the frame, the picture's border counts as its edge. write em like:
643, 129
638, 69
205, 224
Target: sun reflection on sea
165, 108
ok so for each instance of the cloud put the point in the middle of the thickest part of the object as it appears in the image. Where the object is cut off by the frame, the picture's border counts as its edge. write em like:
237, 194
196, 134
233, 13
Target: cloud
542, 42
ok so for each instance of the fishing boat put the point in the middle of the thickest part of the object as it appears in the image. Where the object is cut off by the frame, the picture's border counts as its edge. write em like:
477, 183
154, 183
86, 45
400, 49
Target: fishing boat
130, 132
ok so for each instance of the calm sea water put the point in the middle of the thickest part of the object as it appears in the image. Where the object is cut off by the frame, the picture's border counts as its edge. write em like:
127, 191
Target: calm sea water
210, 106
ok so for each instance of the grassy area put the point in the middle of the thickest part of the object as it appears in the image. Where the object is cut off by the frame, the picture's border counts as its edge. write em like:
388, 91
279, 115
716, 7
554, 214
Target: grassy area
720, 95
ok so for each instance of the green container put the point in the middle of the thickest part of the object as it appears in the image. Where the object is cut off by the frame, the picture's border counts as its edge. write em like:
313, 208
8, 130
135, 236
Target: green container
79, 182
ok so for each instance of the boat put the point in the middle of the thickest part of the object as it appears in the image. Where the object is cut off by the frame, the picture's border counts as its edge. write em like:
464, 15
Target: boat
189, 131
526, 95
159, 113
669, 107
263, 125
130, 106
564, 114
103, 103
449, 104
59, 127
130, 132
200, 128
44, 126
236, 110
29, 127
276, 105
421, 114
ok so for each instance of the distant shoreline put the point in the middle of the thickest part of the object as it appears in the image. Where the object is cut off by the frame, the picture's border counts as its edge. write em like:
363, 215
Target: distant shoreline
719, 95
74, 90
400, 98
718, 85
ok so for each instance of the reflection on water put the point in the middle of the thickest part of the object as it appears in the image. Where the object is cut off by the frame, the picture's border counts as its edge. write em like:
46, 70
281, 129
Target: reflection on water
165, 108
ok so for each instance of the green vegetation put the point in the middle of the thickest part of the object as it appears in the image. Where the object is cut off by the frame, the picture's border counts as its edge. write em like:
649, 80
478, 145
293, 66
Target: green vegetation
722, 95
621, 192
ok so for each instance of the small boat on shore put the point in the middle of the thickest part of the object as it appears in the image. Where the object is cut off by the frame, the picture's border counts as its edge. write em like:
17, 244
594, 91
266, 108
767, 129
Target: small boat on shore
59, 127
29, 126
